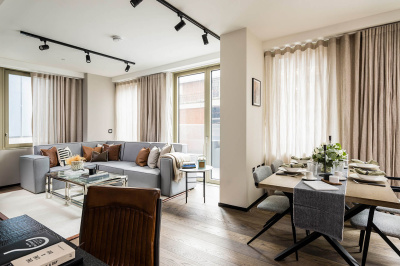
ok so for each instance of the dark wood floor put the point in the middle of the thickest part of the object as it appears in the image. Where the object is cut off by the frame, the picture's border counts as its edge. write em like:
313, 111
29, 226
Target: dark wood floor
205, 234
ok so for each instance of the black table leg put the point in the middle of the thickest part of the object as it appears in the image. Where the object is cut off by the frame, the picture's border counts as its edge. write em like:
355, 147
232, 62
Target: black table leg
204, 186
305, 241
341, 250
186, 186
368, 234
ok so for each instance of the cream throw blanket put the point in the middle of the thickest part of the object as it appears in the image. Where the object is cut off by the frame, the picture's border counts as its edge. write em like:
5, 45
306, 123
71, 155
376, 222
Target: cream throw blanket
177, 160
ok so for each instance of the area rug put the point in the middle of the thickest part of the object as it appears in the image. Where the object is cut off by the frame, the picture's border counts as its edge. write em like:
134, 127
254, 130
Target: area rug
53, 213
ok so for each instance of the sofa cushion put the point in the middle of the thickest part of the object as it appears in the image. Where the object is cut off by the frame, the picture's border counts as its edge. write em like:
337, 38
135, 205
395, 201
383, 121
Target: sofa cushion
131, 150
113, 151
153, 157
145, 170
142, 157
143, 177
87, 152
75, 147
99, 156
52, 154
121, 150
116, 167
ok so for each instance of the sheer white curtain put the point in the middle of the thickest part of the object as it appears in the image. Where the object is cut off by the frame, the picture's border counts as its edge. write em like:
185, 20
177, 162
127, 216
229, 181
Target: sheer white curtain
57, 109
302, 99
127, 107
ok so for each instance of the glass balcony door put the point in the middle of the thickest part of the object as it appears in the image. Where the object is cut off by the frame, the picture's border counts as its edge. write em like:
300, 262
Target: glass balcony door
197, 119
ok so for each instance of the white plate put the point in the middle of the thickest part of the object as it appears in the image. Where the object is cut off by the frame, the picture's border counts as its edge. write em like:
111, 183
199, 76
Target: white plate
311, 179
294, 170
365, 166
368, 178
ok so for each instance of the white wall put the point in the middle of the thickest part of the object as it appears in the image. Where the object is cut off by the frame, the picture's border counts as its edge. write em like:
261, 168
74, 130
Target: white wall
242, 141
98, 108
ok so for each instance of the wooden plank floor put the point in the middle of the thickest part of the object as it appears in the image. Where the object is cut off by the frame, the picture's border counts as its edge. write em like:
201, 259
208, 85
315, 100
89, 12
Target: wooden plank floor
205, 234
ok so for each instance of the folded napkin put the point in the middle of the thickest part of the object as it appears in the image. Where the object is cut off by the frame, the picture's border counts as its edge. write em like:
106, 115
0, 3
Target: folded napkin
294, 165
298, 158
368, 172
369, 162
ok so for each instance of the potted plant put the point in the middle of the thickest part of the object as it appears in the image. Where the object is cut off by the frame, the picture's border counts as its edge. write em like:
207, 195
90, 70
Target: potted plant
334, 155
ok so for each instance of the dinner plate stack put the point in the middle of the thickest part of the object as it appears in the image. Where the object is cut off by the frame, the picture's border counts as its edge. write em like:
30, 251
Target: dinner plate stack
369, 178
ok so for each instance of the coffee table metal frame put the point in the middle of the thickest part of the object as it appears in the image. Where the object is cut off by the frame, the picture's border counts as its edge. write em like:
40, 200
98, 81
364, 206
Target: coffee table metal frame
70, 181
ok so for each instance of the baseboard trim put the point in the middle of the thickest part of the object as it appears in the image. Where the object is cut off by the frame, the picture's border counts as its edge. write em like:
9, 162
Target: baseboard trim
223, 205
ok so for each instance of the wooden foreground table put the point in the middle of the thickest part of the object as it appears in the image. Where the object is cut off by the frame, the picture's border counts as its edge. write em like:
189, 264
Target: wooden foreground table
366, 195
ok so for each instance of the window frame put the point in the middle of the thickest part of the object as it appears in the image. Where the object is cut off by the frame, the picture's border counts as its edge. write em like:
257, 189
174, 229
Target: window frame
207, 115
4, 113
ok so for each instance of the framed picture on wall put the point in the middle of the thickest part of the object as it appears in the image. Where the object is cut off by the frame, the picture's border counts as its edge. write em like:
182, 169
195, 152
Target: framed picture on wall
256, 88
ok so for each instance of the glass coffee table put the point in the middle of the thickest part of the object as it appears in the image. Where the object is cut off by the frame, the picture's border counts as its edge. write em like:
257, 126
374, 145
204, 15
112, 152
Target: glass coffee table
82, 182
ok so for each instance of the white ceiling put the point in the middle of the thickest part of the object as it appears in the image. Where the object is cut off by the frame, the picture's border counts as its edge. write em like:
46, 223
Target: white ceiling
148, 30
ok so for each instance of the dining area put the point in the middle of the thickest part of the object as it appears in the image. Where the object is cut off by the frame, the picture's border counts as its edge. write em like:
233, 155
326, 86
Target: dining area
326, 192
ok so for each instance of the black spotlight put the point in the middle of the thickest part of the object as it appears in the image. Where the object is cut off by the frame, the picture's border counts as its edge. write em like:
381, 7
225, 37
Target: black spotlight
127, 67
180, 25
88, 58
205, 39
43, 47
135, 3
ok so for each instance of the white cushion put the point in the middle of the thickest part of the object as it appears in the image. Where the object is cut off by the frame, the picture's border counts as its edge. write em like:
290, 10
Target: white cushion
153, 157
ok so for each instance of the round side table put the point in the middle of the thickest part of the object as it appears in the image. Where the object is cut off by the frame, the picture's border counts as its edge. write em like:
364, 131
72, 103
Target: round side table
197, 170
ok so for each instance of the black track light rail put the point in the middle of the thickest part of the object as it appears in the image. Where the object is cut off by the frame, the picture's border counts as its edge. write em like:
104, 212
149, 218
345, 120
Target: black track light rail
75, 47
188, 18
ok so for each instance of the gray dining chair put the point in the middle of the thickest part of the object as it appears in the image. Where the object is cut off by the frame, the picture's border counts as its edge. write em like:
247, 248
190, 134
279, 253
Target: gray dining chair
278, 204
275, 165
384, 224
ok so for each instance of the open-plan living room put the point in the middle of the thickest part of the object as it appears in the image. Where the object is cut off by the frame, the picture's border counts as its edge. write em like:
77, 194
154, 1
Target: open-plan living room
213, 132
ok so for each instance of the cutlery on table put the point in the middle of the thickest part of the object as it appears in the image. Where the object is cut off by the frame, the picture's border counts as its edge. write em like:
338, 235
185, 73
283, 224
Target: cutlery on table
371, 184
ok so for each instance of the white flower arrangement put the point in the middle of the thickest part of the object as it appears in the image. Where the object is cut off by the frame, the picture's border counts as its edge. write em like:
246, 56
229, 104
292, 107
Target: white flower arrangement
334, 153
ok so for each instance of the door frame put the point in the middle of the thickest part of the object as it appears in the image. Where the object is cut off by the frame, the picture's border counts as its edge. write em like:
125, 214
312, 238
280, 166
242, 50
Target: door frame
207, 110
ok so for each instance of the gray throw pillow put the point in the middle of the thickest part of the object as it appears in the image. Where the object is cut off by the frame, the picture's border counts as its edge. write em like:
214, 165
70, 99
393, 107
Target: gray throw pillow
153, 157
168, 148
99, 157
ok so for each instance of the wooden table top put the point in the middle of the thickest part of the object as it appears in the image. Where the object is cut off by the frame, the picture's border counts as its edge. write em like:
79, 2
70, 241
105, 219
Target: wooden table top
360, 193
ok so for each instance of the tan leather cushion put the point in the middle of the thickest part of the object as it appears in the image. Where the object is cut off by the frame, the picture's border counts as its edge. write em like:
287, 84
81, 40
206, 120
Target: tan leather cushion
99, 157
52, 154
142, 157
87, 152
113, 151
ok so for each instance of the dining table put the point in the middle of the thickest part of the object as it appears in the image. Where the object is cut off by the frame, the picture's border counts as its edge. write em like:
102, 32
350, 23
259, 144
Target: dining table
364, 196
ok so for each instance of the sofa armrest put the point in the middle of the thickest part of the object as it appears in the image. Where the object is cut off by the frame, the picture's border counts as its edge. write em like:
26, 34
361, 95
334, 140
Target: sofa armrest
167, 175
33, 169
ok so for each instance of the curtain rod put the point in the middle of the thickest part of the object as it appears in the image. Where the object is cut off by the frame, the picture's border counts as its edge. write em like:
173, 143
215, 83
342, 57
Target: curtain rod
330, 37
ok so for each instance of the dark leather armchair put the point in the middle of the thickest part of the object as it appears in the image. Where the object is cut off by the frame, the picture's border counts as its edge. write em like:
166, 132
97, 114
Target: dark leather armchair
121, 226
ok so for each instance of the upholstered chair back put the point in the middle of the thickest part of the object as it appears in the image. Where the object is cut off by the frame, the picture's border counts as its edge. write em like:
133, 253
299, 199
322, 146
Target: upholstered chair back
121, 226
261, 173
275, 165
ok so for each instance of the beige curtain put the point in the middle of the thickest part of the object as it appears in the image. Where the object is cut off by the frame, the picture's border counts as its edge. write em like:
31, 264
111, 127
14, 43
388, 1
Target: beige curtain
151, 90
301, 89
57, 109
375, 111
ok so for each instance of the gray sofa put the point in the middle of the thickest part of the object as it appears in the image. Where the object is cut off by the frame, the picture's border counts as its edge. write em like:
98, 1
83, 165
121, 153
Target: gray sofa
34, 167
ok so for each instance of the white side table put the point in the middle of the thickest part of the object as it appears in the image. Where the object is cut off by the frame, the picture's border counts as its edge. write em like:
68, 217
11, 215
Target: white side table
197, 170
